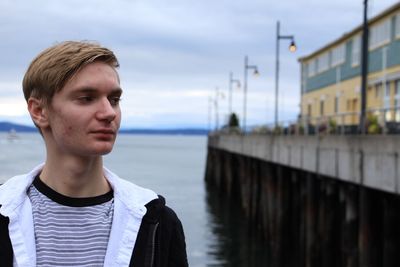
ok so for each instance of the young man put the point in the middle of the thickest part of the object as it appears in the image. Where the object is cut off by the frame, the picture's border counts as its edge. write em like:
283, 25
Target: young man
71, 211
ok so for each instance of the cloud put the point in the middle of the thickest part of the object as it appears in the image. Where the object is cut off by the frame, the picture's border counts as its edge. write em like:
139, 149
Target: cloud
174, 53
12, 107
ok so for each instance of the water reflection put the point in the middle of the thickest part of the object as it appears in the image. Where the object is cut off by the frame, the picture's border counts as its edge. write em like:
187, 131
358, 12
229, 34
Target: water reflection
234, 244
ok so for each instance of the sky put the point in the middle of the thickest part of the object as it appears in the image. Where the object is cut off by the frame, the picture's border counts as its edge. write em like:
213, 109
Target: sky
174, 54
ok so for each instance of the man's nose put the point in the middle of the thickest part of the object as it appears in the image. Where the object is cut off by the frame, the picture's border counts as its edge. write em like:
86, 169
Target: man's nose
106, 111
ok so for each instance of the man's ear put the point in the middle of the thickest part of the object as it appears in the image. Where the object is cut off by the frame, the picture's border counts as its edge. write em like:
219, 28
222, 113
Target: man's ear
39, 112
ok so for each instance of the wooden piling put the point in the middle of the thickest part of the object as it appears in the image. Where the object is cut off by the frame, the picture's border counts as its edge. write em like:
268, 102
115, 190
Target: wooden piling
309, 220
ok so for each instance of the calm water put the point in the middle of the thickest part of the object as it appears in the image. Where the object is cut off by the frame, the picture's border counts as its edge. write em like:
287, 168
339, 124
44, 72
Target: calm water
172, 166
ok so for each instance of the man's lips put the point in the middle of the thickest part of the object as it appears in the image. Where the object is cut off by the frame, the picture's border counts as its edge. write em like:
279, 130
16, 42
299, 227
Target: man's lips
104, 133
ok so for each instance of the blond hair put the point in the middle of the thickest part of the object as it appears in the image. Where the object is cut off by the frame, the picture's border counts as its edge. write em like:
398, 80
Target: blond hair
55, 66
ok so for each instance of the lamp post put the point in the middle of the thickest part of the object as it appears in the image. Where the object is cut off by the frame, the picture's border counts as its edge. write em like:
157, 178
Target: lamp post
292, 48
210, 102
231, 81
364, 70
218, 95
246, 68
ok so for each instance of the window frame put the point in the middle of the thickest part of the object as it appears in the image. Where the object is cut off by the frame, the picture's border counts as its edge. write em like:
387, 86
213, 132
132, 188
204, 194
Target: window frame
396, 104
376, 34
338, 55
356, 54
322, 107
397, 26
322, 68
311, 68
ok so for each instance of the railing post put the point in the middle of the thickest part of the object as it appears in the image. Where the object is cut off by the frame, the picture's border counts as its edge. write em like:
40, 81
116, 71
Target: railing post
384, 130
343, 124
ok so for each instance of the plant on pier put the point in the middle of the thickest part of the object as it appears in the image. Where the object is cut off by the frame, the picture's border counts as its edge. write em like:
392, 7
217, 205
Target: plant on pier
332, 125
372, 124
233, 120
233, 123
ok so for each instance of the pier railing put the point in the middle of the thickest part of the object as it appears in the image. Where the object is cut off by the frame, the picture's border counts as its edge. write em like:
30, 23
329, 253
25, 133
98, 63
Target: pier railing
370, 160
378, 121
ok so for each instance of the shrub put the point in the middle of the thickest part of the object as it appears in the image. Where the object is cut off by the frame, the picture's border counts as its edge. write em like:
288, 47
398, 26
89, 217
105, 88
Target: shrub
233, 120
372, 124
332, 125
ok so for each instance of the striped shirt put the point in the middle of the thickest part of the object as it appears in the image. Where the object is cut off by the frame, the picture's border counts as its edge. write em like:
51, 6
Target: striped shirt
70, 231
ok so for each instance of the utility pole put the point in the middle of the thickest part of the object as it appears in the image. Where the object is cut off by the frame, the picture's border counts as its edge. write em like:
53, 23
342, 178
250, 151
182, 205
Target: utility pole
246, 68
292, 48
364, 71
210, 103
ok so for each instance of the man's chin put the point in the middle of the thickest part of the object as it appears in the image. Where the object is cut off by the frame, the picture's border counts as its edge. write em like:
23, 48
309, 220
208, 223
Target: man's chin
102, 150
106, 152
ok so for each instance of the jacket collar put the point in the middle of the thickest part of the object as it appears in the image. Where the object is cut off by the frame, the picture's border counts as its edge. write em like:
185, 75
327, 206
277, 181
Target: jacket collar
132, 196
129, 209
13, 192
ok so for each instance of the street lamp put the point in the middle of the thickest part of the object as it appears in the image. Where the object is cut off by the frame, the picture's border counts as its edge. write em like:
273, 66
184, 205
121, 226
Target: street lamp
364, 69
231, 81
210, 102
246, 68
292, 48
218, 95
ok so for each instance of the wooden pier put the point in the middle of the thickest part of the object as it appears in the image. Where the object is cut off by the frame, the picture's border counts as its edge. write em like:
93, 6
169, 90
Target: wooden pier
318, 201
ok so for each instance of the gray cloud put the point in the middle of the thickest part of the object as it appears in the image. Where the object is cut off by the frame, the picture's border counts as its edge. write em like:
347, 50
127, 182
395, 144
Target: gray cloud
179, 46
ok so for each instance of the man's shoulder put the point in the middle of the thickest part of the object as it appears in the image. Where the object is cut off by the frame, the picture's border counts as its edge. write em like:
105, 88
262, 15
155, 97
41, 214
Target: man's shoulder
130, 188
12, 186
13, 193
128, 192
159, 211
17, 185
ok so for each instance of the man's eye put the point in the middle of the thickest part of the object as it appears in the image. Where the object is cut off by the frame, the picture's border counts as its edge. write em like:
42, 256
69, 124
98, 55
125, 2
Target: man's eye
86, 99
115, 100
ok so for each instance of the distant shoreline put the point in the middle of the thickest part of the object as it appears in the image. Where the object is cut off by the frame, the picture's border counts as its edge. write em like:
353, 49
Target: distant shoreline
8, 126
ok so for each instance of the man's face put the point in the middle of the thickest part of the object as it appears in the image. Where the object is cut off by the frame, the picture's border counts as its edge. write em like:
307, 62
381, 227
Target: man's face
84, 116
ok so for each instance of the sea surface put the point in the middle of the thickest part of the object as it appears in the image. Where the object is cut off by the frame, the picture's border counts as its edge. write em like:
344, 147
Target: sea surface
173, 166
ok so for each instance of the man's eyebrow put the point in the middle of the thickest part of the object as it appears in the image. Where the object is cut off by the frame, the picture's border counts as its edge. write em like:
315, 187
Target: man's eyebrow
91, 90
117, 90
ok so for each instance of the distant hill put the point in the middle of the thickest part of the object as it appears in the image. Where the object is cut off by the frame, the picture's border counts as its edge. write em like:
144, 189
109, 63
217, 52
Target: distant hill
7, 126
165, 131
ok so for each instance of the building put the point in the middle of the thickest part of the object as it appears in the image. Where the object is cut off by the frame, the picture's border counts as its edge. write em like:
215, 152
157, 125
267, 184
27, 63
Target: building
331, 76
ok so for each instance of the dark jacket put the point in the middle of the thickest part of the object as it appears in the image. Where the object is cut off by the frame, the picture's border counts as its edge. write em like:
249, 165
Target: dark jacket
160, 241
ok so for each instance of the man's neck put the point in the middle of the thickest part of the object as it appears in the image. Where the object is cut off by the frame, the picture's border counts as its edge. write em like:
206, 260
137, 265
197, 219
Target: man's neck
75, 177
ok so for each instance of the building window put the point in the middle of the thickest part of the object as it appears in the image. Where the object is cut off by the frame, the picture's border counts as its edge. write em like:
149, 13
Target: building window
380, 34
387, 89
336, 104
309, 110
386, 102
323, 62
397, 100
397, 26
312, 66
338, 55
356, 51
321, 107
378, 88
397, 94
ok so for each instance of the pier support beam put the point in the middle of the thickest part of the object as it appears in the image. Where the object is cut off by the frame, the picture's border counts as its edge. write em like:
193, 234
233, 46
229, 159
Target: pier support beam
349, 196
370, 228
391, 235
308, 220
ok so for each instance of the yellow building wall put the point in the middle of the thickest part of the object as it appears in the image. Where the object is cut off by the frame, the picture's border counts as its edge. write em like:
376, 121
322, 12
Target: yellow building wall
349, 104
348, 93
